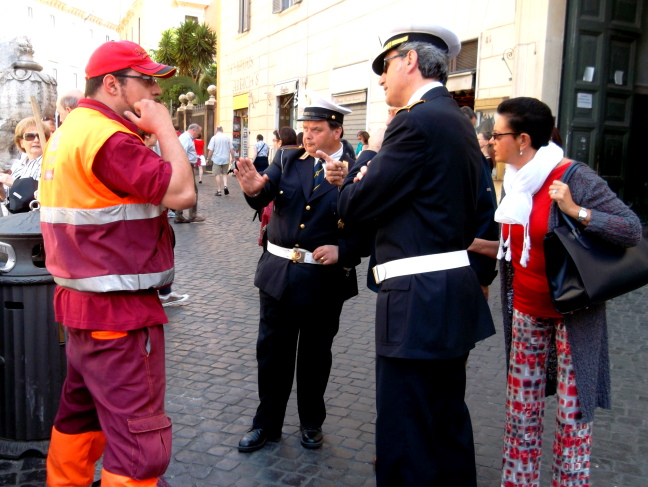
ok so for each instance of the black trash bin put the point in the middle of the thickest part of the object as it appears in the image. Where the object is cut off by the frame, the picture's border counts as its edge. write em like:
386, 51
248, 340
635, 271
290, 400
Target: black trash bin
32, 344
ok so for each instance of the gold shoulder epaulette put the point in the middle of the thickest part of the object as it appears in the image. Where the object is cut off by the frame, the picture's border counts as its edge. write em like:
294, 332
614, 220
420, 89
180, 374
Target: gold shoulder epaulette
409, 107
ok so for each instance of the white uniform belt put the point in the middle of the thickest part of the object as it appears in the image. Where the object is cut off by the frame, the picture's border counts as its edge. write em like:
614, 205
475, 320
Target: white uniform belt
420, 264
297, 255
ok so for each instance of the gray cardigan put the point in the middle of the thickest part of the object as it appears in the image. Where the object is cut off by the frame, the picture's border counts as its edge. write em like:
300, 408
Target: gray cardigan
612, 220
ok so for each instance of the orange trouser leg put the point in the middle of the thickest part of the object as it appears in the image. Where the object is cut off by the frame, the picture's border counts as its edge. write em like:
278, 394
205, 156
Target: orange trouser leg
71, 458
113, 480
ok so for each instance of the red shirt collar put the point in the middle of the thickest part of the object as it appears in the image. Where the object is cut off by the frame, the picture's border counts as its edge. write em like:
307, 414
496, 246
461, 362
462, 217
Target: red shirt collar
108, 112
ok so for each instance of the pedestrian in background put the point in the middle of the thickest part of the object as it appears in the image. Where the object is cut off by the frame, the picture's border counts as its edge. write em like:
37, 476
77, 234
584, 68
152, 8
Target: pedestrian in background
200, 152
187, 140
261, 151
421, 191
221, 152
68, 102
109, 245
363, 138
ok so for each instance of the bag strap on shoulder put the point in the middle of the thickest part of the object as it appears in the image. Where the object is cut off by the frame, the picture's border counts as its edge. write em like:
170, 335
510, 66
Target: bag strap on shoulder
573, 227
573, 167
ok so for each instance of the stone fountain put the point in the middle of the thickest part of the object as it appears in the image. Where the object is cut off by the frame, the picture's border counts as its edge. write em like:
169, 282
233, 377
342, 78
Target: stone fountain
20, 79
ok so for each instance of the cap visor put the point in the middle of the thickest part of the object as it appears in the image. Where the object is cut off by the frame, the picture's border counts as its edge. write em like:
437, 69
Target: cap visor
155, 69
379, 63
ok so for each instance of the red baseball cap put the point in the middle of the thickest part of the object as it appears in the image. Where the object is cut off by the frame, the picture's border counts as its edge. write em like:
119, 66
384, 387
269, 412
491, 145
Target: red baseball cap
115, 55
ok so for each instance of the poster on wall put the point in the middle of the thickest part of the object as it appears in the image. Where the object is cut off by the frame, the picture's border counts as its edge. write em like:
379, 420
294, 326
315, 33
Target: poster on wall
236, 136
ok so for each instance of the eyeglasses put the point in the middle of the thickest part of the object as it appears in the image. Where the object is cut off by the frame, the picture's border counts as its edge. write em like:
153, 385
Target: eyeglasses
386, 65
150, 80
30, 136
496, 136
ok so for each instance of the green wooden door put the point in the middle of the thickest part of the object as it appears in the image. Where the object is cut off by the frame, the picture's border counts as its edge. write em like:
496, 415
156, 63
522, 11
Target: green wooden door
601, 43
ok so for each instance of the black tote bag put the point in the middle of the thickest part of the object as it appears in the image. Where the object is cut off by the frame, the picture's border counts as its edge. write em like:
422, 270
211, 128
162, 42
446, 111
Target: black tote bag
583, 269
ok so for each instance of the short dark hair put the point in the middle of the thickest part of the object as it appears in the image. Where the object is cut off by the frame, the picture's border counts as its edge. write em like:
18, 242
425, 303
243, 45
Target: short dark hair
259, 137
287, 136
530, 116
468, 112
93, 84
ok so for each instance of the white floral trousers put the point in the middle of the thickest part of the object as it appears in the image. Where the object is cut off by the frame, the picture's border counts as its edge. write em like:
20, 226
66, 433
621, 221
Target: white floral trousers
525, 405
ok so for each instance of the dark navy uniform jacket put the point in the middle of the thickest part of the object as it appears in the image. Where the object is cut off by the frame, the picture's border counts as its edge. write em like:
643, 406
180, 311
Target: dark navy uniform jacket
420, 192
304, 219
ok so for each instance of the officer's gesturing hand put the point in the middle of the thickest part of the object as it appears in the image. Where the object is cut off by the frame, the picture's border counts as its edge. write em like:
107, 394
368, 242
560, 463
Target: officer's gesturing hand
250, 180
326, 254
335, 171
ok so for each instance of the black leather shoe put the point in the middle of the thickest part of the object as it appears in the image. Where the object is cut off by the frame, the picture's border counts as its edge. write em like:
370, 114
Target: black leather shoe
311, 437
255, 439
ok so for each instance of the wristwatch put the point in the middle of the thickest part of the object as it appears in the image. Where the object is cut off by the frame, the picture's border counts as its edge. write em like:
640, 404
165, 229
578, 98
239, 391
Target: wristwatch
582, 214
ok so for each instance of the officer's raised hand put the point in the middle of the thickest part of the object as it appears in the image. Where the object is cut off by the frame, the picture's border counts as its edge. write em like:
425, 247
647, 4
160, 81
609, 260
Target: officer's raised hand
335, 171
250, 180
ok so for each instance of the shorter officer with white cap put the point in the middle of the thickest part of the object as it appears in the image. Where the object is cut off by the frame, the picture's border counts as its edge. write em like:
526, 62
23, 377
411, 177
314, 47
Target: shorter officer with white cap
304, 277
421, 191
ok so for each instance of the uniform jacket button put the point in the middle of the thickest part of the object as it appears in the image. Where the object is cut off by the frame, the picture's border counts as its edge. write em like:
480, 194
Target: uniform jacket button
302, 226
307, 207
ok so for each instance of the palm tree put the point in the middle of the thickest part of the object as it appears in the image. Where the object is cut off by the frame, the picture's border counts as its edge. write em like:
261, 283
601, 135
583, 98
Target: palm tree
191, 47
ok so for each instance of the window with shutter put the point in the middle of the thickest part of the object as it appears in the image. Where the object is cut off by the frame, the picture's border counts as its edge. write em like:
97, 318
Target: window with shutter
467, 58
244, 16
281, 5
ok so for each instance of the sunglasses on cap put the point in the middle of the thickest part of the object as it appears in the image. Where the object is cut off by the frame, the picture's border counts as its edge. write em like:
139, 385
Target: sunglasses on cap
149, 80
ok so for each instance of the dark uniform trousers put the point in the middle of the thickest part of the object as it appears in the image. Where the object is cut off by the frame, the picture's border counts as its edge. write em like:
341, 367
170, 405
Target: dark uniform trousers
432, 394
286, 329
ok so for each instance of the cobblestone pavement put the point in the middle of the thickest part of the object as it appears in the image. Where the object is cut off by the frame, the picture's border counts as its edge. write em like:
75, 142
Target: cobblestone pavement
212, 393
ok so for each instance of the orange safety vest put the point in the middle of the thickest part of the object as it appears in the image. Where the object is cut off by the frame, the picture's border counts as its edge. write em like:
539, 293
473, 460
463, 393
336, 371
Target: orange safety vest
95, 240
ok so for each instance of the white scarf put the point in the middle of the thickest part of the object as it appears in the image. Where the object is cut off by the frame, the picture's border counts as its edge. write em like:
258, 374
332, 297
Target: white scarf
520, 185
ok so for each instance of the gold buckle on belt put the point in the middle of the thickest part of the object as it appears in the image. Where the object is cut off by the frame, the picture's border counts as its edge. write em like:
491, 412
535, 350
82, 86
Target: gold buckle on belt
297, 255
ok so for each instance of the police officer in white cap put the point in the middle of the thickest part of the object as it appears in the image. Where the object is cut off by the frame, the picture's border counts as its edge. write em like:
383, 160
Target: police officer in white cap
303, 278
421, 189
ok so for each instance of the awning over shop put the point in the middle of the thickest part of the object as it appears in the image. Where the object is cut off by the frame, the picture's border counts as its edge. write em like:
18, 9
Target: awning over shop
463, 81
240, 101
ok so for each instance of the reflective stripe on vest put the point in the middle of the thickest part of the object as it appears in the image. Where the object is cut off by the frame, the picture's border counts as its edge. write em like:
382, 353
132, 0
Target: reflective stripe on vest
78, 216
104, 284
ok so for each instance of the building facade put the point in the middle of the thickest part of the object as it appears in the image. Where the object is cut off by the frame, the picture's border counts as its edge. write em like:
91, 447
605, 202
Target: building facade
62, 34
272, 51
143, 21
585, 59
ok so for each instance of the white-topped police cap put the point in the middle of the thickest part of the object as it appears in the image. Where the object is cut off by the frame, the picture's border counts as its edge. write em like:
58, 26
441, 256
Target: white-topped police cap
437, 35
320, 108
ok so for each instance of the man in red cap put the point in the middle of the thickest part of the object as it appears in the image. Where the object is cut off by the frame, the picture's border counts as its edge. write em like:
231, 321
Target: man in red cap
109, 247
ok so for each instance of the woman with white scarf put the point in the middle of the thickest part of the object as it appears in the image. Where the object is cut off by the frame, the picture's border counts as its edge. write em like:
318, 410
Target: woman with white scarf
548, 352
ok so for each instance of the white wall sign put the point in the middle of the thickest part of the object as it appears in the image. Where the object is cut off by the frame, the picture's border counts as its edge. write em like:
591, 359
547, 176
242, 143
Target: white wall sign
584, 100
